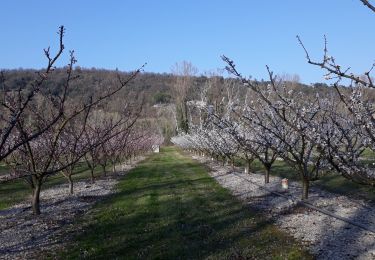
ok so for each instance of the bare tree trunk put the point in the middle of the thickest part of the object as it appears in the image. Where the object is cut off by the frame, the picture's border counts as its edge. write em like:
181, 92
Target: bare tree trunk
232, 163
248, 163
305, 188
36, 198
70, 184
104, 170
92, 168
267, 174
92, 175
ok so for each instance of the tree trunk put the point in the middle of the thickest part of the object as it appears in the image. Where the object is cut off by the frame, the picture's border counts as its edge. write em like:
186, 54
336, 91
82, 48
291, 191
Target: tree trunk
305, 188
70, 184
247, 169
267, 175
104, 171
92, 175
232, 164
36, 197
113, 167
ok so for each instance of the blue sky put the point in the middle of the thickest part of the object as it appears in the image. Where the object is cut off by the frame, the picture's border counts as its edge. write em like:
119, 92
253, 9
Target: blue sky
125, 34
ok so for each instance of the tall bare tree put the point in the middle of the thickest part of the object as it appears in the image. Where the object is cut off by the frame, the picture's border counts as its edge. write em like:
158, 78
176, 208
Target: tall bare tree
38, 134
183, 82
15, 102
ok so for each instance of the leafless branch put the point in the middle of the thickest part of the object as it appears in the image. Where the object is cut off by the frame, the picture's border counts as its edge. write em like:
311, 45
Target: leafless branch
367, 3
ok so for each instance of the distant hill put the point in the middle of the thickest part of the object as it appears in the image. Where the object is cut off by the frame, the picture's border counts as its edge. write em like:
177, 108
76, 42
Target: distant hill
153, 89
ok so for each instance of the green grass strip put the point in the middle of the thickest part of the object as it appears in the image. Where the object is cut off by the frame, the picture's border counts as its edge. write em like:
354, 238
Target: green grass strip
169, 208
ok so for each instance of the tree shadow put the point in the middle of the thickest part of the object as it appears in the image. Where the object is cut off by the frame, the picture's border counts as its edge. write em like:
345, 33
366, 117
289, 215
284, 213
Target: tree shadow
337, 239
185, 235
342, 240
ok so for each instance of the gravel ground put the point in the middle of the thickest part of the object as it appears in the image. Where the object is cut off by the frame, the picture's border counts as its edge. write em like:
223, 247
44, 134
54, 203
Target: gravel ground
25, 236
325, 236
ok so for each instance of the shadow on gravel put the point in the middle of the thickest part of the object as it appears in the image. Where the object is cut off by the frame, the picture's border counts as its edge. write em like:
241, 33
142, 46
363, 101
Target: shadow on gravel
351, 240
30, 243
338, 239
38, 233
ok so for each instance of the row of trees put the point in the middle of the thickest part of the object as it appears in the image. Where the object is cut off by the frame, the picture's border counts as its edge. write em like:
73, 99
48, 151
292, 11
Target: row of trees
310, 132
45, 131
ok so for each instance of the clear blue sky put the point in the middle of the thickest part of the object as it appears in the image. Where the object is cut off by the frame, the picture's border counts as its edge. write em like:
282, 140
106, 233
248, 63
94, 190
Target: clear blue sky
125, 34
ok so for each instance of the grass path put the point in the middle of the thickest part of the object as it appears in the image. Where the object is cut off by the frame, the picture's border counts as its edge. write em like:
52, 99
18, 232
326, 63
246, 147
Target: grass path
169, 208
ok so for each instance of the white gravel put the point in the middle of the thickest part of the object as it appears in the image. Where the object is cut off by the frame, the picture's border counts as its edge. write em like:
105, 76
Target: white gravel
326, 237
25, 236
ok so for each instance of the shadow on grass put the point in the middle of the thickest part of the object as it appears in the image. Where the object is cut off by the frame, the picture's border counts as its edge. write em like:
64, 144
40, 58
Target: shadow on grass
169, 208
